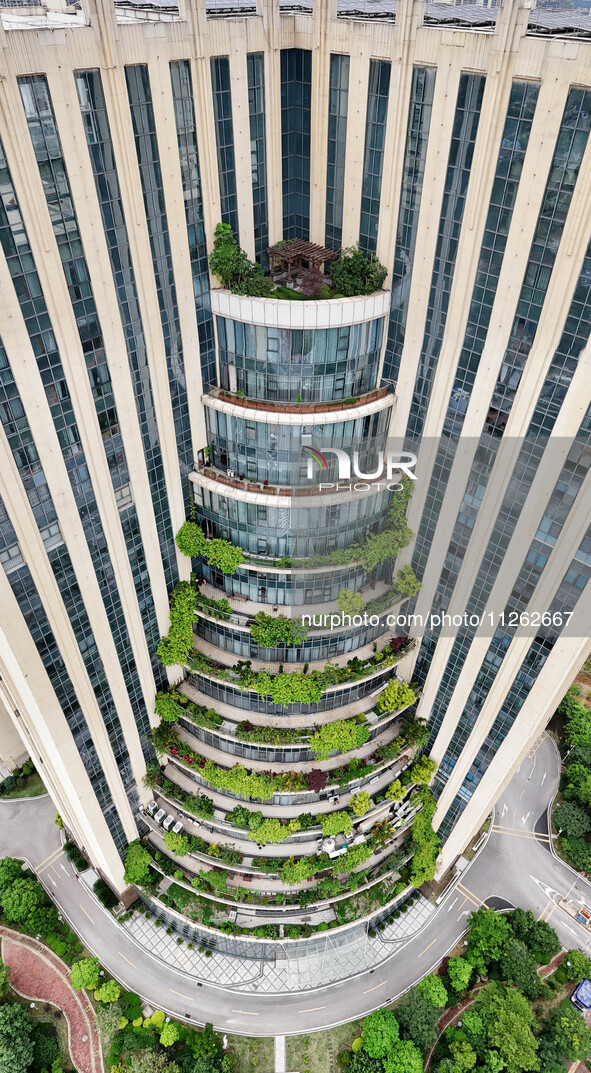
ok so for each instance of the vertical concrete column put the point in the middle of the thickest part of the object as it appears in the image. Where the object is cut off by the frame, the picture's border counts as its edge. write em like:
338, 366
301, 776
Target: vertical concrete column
324, 12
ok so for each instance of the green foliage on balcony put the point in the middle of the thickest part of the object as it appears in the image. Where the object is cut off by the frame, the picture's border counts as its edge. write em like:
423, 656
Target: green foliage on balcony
340, 736
175, 648
235, 271
336, 823
425, 843
219, 553
269, 631
396, 695
357, 272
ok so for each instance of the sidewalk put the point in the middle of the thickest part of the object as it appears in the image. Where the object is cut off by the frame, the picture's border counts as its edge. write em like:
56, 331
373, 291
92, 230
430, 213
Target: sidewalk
37, 974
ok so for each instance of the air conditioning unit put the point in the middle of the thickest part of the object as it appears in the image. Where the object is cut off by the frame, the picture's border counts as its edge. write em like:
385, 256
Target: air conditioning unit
230, 473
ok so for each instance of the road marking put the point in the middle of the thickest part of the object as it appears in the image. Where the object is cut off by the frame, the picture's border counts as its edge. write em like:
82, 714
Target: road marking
126, 959
522, 793
87, 914
426, 948
180, 993
469, 894
52, 880
497, 829
384, 981
553, 910
525, 818
50, 861
513, 818
547, 906
452, 905
505, 809
247, 1013
56, 853
64, 869
543, 778
312, 1009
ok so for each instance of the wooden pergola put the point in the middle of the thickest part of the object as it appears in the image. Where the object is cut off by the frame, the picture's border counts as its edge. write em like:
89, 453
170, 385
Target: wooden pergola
299, 253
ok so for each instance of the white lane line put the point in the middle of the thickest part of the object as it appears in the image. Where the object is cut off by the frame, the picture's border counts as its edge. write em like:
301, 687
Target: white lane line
544, 778
247, 1013
452, 905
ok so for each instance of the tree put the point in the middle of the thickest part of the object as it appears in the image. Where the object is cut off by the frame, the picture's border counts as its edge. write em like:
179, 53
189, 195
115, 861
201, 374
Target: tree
233, 268
380, 1033
176, 843
488, 936
434, 988
460, 973
544, 943
10, 869
567, 1031
404, 1057
269, 830
108, 992
406, 582
423, 771
167, 708
349, 602
269, 630
137, 863
571, 819
576, 966
336, 823
362, 1062
150, 1062
395, 791
170, 1033
360, 803
417, 1019
16, 1045
518, 967
396, 695
21, 899
340, 736
508, 1019
316, 780
578, 852
85, 973
4, 981
356, 272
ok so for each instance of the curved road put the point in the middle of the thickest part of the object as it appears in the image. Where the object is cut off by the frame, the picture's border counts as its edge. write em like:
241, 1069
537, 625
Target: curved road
516, 867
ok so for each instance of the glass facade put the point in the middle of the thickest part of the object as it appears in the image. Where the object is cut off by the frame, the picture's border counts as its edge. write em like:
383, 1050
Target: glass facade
318, 645
466, 119
224, 137
274, 452
338, 103
296, 106
285, 365
415, 154
294, 588
293, 531
146, 146
56, 186
255, 67
15, 245
98, 137
34, 614
184, 114
332, 699
373, 160
508, 170
572, 139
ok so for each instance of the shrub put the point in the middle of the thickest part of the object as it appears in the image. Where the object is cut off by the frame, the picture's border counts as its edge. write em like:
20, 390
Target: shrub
232, 267
396, 695
350, 603
361, 803
340, 736
137, 863
105, 894
356, 272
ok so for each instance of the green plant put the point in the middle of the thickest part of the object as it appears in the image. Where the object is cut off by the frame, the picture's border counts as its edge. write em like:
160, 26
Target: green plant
268, 631
406, 583
350, 603
137, 863
232, 267
423, 771
396, 695
85, 973
340, 736
335, 823
175, 648
219, 553
105, 894
176, 843
361, 803
356, 272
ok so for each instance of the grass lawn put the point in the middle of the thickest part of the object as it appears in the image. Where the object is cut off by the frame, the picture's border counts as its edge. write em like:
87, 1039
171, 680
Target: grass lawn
344, 1035
308, 1053
253, 1055
33, 787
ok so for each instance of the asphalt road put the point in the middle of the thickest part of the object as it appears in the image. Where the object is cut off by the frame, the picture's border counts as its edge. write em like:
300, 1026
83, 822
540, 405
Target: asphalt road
516, 867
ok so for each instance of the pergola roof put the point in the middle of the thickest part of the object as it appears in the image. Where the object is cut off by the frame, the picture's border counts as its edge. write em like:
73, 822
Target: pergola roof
296, 250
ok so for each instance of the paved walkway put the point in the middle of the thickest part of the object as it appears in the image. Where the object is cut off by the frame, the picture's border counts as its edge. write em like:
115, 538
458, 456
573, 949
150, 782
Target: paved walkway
36, 973
279, 1054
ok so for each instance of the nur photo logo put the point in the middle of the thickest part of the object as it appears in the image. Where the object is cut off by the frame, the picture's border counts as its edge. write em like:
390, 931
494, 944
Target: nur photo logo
389, 464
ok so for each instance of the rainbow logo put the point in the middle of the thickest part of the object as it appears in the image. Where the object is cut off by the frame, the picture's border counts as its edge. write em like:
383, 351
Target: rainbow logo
316, 456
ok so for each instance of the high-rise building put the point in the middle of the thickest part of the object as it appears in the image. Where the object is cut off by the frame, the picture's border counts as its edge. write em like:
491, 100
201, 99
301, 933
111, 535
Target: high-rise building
136, 393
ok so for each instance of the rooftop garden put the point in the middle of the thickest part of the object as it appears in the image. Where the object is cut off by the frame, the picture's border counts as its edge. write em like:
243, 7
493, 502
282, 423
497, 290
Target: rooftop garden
296, 270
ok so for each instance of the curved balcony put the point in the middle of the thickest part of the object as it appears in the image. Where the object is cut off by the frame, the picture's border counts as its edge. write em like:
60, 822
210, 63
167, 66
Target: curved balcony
315, 314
